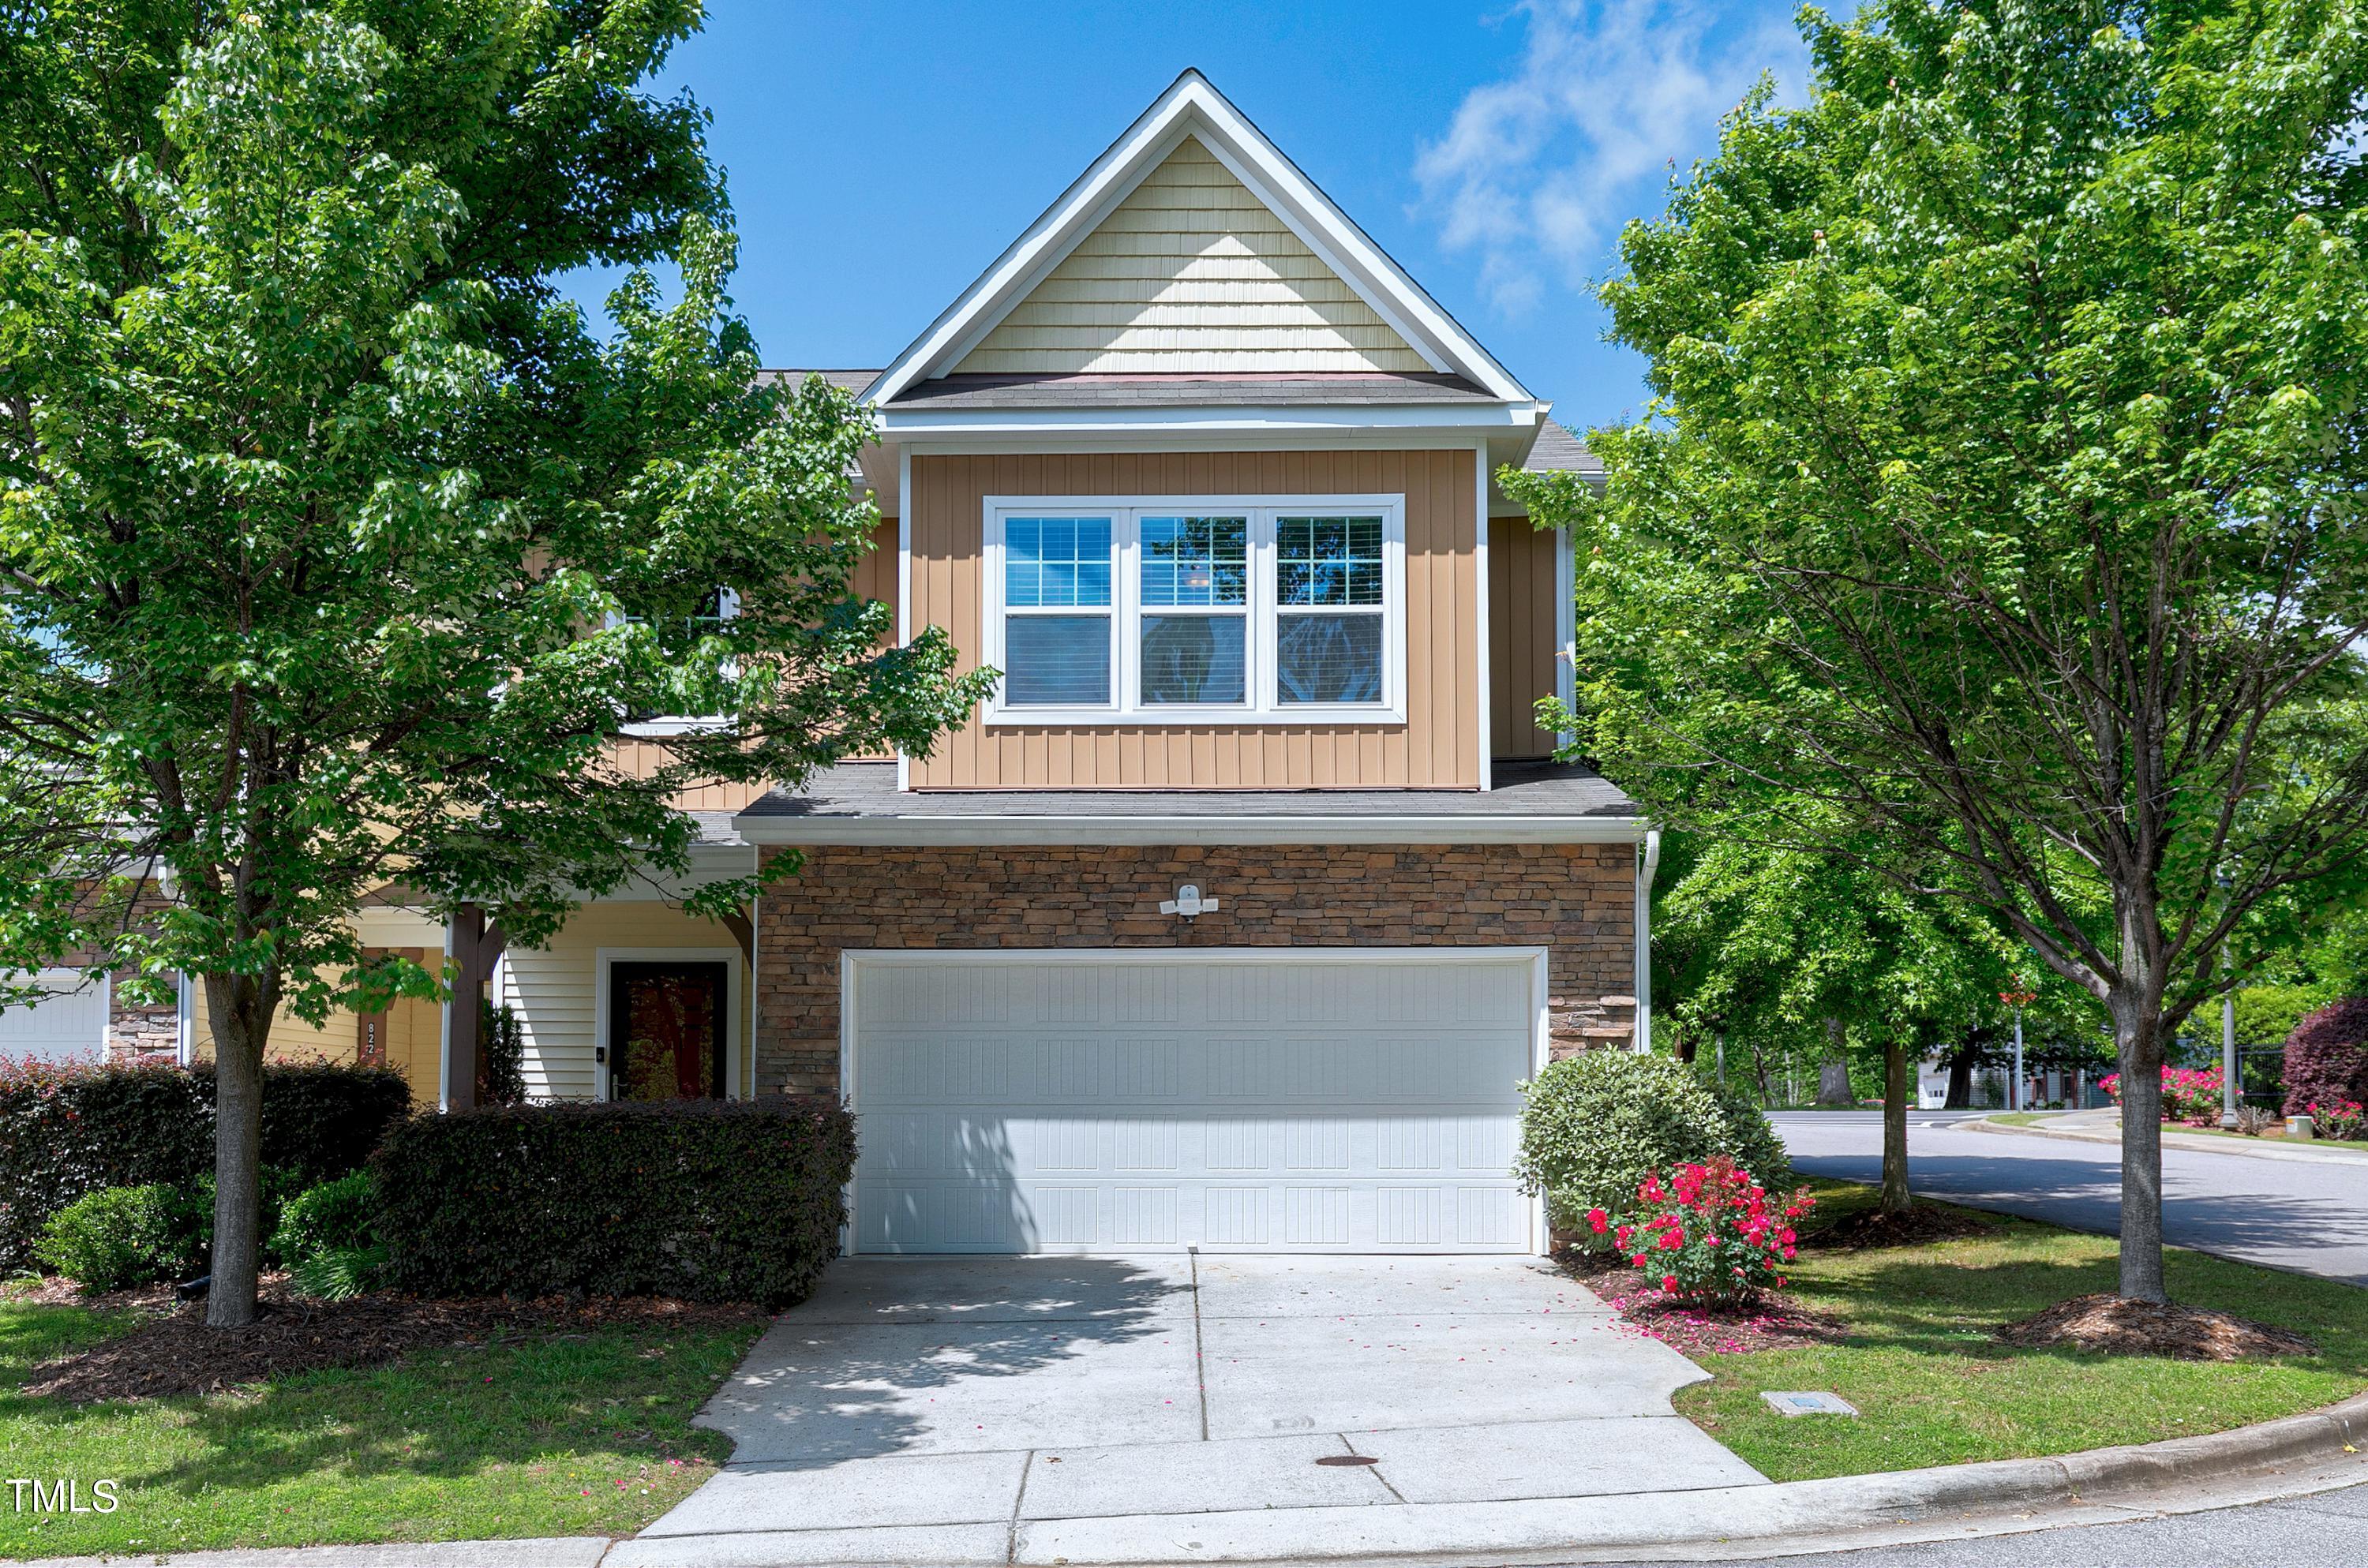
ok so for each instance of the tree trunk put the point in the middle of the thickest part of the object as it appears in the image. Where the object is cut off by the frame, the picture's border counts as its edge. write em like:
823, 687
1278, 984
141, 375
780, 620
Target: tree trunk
239, 1008
1895, 1127
1961, 1082
2138, 1046
1834, 1084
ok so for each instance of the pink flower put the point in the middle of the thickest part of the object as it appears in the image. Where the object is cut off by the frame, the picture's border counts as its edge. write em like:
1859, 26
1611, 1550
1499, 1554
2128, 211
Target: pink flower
1597, 1219
1669, 1283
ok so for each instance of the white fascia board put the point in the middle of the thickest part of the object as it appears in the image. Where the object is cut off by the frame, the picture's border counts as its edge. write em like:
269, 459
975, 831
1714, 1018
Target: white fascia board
1140, 830
1192, 106
1453, 424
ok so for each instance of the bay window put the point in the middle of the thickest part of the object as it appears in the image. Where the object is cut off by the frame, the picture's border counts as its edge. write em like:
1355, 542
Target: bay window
1196, 609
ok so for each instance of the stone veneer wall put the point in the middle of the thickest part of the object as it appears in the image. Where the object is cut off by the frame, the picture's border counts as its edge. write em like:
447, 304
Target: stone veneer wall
1577, 900
135, 1033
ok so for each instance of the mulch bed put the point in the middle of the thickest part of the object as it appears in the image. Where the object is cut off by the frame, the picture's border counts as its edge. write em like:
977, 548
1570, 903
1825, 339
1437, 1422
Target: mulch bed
2116, 1325
172, 1351
1921, 1226
1691, 1328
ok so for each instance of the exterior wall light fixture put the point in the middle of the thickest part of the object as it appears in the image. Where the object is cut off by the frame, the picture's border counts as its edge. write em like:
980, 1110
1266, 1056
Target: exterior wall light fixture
1186, 902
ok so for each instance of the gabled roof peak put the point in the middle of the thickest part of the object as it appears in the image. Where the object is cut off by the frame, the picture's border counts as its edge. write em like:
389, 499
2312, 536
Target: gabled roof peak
1377, 316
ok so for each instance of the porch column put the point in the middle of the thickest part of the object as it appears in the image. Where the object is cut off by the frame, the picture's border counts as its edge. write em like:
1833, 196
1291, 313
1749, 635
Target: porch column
475, 943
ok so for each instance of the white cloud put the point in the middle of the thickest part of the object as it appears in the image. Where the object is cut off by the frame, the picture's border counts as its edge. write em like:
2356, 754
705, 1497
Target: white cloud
1537, 172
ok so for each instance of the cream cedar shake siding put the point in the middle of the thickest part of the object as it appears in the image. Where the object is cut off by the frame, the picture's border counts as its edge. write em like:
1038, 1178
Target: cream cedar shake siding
1436, 745
1191, 272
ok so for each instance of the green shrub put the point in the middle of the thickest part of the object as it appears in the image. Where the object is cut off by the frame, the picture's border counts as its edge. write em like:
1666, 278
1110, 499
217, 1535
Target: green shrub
335, 1216
501, 1055
118, 1236
1595, 1125
711, 1200
67, 1130
279, 1188
338, 1274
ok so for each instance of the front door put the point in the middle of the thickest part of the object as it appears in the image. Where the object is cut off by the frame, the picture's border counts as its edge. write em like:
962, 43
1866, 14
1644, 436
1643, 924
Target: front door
666, 1031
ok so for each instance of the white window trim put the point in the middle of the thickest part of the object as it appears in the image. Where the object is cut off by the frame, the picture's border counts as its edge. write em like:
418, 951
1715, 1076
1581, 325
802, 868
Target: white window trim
727, 605
1125, 514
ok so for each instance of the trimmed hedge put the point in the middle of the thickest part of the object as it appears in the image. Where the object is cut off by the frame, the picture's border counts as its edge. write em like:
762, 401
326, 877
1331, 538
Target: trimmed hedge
66, 1131
707, 1200
2327, 1056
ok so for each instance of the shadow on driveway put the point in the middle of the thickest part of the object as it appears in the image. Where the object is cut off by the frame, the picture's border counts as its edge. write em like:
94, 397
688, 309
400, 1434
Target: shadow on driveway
903, 1356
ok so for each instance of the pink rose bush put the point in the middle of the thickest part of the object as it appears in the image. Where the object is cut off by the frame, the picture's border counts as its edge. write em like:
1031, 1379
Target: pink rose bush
2339, 1119
2191, 1095
1709, 1231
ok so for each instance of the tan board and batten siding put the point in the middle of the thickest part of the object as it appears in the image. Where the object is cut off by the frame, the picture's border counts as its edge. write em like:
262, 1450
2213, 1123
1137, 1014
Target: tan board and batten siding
1523, 584
1436, 747
1190, 272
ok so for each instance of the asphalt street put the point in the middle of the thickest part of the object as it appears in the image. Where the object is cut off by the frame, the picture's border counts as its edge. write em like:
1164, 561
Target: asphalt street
2309, 1216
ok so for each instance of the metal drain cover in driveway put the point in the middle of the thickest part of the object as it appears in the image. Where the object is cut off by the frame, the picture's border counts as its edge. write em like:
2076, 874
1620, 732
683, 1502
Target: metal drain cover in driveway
1348, 1459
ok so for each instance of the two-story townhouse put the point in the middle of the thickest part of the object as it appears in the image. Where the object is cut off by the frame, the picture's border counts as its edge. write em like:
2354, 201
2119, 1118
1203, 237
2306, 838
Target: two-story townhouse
1237, 914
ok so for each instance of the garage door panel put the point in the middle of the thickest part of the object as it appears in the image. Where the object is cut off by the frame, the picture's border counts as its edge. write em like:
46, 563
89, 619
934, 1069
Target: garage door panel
68, 1023
1325, 1115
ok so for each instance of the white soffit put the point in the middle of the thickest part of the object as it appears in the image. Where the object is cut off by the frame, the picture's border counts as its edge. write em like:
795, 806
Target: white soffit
1192, 108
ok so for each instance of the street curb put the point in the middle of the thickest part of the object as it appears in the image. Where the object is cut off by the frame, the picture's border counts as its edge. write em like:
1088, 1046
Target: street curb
2243, 1147
2181, 1475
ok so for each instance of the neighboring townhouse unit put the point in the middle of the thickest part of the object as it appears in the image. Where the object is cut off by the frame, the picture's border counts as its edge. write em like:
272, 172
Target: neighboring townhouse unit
1236, 916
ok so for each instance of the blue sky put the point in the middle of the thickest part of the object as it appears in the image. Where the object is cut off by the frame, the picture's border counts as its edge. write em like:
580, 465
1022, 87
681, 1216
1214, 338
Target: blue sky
879, 155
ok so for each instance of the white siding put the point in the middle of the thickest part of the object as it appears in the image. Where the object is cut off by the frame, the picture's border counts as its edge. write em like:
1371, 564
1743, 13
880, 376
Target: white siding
1191, 272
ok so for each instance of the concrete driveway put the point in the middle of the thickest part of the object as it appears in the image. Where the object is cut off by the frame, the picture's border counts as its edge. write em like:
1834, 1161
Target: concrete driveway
930, 1410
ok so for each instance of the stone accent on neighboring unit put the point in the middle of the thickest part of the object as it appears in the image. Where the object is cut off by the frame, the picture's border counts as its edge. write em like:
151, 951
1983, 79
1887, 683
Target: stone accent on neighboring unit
138, 1031
1577, 900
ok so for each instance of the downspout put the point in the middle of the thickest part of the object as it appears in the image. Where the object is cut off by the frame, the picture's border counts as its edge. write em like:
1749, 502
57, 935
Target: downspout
1650, 863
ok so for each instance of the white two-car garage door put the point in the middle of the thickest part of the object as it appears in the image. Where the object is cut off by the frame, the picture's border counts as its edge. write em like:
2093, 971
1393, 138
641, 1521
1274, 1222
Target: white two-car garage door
1286, 1100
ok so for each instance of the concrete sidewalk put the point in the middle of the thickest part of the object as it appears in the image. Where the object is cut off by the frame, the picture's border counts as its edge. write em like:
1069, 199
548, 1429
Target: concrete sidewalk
2104, 1125
2303, 1457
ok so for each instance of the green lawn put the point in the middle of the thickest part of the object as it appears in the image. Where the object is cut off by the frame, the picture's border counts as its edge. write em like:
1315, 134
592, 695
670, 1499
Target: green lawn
1934, 1388
580, 1435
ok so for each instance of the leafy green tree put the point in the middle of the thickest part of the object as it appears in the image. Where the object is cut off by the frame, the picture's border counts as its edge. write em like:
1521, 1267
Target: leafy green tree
1799, 943
2000, 494
339, 549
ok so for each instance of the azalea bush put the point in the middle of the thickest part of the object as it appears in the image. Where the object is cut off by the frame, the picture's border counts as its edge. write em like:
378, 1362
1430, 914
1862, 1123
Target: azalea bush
2339, 1119
1707, 1232
2192, 1095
